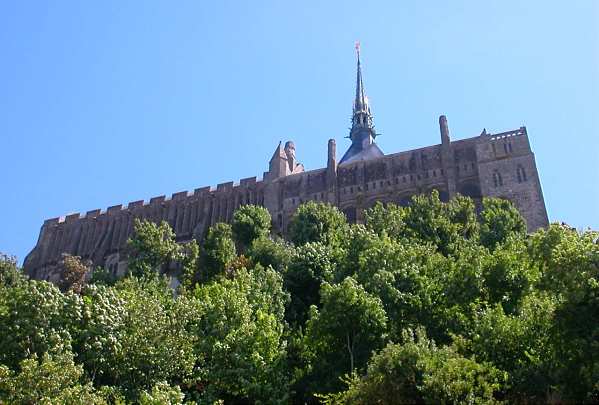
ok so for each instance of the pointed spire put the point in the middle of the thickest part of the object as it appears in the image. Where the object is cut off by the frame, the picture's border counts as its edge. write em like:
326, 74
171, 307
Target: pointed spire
362, 131
360, 100
362, 118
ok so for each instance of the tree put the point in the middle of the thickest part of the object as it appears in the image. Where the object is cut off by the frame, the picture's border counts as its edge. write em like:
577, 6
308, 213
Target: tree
49, 379
217, 252
275, 252
241, 352
386, 219
73, 272
569, 264
500, 220
35, 318
417, 371
151, 247
343, 334
10, 273
136, 334
250, 222
428, 219
519, 344
317, 222
162, 394
311, 265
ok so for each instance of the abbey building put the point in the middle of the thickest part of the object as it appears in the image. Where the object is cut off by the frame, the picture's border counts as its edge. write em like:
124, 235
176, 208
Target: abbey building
496, 165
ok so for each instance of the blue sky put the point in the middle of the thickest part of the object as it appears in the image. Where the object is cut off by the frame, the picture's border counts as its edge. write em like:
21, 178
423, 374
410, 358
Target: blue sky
103, 103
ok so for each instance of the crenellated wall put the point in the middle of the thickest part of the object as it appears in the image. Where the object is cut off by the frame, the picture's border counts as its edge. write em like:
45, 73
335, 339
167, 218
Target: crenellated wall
499, 165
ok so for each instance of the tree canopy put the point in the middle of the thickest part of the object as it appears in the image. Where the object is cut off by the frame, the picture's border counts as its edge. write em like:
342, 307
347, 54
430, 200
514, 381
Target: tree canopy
435, 302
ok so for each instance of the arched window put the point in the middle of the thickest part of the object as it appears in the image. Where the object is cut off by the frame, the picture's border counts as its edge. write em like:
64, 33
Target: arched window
521, 174
497, 180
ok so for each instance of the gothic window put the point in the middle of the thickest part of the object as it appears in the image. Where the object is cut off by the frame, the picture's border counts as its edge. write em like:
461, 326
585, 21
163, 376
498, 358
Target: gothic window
497, 180
521, 174
434, 173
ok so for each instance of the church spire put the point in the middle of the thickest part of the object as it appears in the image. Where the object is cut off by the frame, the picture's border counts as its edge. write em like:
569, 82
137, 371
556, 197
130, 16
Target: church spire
362, 117
362, 131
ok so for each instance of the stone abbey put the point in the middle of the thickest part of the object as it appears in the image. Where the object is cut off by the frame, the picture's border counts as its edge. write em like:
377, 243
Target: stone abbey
493, 165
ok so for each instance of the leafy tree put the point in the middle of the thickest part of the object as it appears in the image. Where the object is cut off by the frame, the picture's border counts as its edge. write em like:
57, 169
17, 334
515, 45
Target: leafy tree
49, 379
73, 272
275, 252
136, 334
417, 371
569, 263
10, 273
35, 318
241, 355
509, 274
500, 220
342, 335
311, 265
151, 247
162, 394
218, 251
386, 219
401, 274
317, 222
428, 219
519, 344
250, 222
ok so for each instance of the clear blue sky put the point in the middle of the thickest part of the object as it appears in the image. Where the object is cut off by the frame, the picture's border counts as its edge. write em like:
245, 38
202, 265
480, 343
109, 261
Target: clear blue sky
108, 102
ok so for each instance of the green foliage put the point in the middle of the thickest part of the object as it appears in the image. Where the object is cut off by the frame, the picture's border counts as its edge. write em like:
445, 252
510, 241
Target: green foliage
250, 222
151, 247
135, 335
10, 274
35, 318
310, 266
218, 251
242, 351
445, 225
342, 335
386, 220
570, 273
417, 371
500, 220
519, 344
317, 222
72, 273
162, 394
50, 379
274, 252
508, 317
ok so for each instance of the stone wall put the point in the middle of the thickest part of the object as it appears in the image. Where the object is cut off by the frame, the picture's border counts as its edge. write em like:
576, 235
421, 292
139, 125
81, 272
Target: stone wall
500, 165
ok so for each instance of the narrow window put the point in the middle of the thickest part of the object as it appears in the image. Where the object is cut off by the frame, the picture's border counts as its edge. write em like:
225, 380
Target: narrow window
497, 180
509, 145
505, 147
494, 149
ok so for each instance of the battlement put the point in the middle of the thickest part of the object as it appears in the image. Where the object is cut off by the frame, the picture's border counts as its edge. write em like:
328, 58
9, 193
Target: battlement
502, 135
245, 183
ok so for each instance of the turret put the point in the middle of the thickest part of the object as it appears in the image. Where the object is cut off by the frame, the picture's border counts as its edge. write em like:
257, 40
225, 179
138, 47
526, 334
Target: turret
444, 128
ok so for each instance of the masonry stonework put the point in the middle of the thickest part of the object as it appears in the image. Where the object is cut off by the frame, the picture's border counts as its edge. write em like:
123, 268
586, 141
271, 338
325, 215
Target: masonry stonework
494, 165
